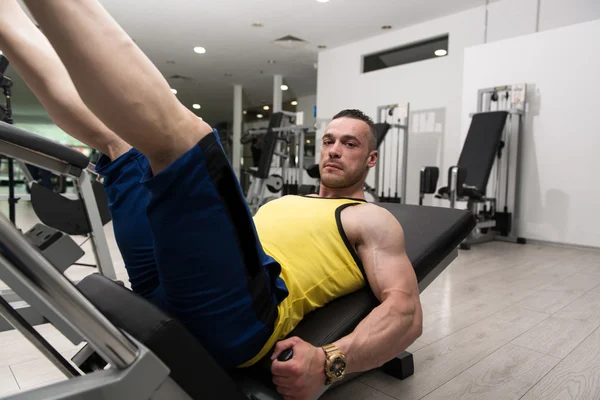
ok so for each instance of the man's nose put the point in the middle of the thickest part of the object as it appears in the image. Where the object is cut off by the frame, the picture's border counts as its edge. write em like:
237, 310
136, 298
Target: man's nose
335, 151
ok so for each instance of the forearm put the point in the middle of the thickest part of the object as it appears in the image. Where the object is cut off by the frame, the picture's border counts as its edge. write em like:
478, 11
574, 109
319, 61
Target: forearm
32, 56
386, 332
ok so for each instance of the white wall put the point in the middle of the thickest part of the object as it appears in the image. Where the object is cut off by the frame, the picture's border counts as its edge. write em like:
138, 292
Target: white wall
427, 85
434, 87
560, 144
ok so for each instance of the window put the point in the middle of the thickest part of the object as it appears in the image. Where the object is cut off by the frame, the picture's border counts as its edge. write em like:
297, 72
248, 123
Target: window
423, 50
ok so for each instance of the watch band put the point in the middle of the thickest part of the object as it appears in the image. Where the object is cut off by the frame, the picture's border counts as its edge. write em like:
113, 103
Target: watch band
331, 350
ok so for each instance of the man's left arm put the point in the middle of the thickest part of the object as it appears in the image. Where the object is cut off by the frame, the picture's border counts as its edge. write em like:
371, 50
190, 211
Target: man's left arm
383, 334
397, 322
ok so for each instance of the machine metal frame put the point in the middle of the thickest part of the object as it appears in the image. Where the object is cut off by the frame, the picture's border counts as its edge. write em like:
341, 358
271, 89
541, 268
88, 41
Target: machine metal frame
510, 98
402, 127
83, 185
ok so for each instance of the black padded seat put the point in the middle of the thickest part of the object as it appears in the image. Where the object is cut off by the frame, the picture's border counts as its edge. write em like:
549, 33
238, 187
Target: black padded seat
39, 144
432, 234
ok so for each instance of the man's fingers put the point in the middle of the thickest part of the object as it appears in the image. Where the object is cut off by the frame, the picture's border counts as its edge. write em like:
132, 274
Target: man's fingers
284, 381
282, 346
284, 368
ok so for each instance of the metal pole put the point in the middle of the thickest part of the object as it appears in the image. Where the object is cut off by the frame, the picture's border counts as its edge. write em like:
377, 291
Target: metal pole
12, 201
277, 94
453, 186
99, 244
59, 294
405, 156
301, 156
33, 336
236, 154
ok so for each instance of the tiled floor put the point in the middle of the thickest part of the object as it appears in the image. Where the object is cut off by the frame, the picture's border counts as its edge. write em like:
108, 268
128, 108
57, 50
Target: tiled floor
503, 321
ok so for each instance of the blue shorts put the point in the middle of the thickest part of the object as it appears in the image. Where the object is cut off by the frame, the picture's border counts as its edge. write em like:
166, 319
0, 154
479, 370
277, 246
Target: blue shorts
190, 246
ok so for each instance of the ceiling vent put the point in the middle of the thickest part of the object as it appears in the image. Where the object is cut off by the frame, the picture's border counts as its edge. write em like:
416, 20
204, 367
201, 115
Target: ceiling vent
185, 78
291, 42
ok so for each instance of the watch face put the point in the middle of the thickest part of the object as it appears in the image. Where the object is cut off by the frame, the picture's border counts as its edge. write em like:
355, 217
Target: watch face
337, 367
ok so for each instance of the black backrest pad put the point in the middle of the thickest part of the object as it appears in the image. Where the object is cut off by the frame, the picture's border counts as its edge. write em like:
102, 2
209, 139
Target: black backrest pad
480, 148
382, 128
431, 235
269, 146
192, 367
31, 141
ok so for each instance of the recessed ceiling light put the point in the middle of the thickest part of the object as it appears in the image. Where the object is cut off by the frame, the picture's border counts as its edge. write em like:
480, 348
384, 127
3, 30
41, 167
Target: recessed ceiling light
322, 1
307, 141
257, 25
259, 116
294, 103
440, 52
271, 61
244, 112
174, 91
197, 106
322, 46
266, 108
199, 50
386, 27
284, 87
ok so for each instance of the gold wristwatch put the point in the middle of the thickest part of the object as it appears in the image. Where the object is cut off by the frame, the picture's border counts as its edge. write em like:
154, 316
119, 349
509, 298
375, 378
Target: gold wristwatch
335, 364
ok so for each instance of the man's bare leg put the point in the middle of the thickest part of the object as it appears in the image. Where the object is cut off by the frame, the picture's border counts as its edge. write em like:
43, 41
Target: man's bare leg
35, 60
117, 81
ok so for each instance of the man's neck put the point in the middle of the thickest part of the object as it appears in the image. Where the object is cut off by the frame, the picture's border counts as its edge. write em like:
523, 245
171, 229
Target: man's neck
354, 192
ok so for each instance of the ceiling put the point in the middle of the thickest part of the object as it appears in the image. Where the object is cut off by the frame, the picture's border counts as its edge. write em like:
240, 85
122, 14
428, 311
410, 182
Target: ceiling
238, 53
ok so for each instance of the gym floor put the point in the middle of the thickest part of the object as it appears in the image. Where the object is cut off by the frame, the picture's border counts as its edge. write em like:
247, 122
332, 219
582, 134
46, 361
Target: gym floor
504, 321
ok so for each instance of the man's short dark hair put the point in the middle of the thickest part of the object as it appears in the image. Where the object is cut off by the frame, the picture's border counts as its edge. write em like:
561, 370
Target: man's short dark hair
361, 116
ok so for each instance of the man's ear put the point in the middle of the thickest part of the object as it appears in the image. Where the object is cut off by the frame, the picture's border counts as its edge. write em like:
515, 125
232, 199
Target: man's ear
372, 159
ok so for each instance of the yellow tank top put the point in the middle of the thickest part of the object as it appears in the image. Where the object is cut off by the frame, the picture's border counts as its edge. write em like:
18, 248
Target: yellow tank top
318, 264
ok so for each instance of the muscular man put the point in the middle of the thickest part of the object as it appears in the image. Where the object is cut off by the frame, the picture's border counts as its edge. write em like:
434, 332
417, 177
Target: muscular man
239, 284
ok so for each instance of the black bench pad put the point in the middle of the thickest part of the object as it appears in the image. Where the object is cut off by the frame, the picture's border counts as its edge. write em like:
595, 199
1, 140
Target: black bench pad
40, 144
431, 234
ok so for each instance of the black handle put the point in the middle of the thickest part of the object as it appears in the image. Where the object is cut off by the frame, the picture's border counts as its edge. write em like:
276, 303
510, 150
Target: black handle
286, 355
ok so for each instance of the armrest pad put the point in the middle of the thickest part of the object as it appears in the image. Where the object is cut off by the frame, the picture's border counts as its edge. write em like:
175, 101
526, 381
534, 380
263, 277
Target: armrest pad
40, 144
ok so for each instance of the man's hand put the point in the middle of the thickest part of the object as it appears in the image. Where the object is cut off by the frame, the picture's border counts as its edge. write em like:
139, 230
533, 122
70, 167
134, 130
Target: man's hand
303, 376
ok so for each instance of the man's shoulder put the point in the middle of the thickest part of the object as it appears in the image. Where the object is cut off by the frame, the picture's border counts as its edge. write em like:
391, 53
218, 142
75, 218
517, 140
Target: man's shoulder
371, 216
373, 211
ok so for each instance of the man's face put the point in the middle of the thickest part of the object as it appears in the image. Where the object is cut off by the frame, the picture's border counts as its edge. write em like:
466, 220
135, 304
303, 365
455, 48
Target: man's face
345, 155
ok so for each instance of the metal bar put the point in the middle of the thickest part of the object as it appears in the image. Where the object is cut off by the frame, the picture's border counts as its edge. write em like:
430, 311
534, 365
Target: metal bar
38, 159
453, 186
38, 276
33, 336
99, 244
12, 201
25, 171
301, 156
28, 313
405, 157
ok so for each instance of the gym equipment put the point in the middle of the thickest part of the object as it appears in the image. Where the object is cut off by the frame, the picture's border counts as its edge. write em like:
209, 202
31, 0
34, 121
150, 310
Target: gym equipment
492, 144
142, 353
83, 216
6, 117
402, 115
278, 140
